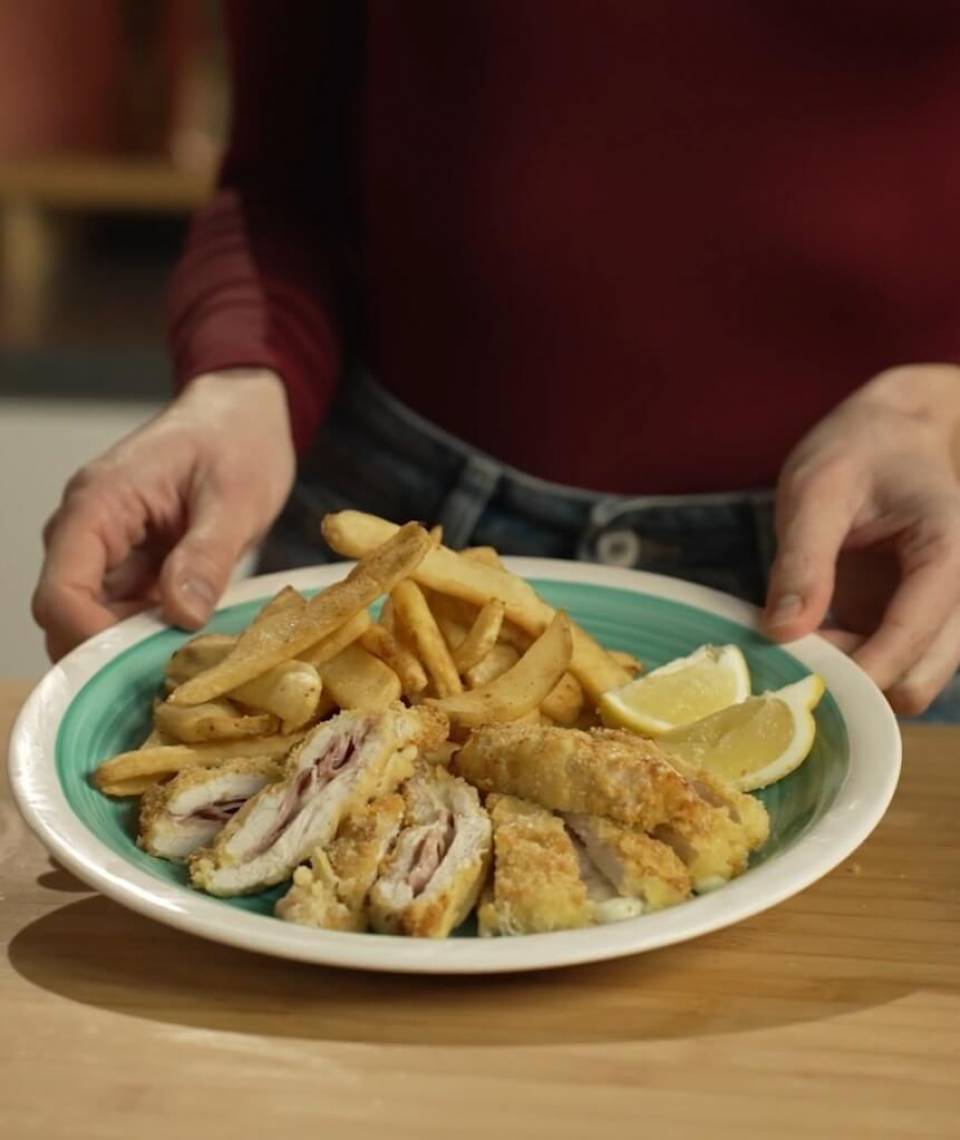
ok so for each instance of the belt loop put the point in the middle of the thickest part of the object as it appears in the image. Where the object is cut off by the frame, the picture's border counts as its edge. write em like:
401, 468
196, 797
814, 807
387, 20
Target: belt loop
460, 511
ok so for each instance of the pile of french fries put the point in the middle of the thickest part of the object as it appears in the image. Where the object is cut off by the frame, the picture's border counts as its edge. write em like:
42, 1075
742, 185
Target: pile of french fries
456, 629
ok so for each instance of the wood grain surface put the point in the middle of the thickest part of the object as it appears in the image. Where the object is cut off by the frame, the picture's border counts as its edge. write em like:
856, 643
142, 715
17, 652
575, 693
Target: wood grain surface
835, 1015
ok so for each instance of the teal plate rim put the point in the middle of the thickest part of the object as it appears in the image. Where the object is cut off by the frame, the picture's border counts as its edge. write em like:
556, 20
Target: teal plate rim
857, 800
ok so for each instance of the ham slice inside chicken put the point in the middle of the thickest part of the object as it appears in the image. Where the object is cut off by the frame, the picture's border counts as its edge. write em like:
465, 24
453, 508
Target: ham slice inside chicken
311, 780
424, 850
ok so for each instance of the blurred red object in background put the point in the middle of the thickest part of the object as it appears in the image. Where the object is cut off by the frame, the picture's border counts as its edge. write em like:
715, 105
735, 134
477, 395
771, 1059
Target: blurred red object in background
60, 76
109, 77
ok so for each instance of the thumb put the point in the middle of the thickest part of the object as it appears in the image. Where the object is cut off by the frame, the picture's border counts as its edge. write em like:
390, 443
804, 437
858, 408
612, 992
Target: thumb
812, 523
196, 572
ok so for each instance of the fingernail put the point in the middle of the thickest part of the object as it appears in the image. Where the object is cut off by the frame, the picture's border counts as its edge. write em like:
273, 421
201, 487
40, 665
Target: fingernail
786, 609
198, 597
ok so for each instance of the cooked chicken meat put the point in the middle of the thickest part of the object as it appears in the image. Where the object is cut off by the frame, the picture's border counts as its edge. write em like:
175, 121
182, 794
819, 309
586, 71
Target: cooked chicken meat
185, 814
339, 766
332, 891
431, 879
636, 865
614, 774
537, 882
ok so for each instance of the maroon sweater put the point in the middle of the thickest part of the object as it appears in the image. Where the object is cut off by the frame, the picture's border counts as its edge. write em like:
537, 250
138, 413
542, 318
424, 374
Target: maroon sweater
634, 245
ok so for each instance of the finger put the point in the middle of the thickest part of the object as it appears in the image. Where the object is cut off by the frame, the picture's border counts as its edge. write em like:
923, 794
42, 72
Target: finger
914, 618
812, 523
912, 693
843, 639
197, 570
58, 643
134, 577
67, 603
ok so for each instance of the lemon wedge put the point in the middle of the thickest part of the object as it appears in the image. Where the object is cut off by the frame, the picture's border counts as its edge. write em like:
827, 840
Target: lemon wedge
754, 743
679, 693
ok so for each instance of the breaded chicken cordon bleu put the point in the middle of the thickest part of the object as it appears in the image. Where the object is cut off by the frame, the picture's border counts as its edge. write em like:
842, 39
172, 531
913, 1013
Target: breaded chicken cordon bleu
431, 879
410, 864
332, 891
185, 814
339, 767
655, 828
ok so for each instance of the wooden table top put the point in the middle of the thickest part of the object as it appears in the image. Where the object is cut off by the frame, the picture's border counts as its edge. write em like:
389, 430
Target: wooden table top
836, 1015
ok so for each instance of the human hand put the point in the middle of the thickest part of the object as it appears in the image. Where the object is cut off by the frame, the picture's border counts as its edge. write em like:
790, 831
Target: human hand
164, 515
868, 527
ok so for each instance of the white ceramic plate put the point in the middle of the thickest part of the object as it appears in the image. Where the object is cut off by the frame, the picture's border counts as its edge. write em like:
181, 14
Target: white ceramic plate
820, 814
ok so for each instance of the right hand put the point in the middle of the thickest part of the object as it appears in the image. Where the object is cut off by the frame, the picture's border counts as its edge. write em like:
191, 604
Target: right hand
164, 515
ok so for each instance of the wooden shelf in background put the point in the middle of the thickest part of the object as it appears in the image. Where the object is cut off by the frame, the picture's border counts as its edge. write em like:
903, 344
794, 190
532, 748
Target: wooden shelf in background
39, 198
91, 182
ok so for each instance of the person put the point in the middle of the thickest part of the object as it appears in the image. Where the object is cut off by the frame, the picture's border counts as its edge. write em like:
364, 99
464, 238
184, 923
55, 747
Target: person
578, 280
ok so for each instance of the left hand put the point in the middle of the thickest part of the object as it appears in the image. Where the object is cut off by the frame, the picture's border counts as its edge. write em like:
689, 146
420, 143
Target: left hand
868, 528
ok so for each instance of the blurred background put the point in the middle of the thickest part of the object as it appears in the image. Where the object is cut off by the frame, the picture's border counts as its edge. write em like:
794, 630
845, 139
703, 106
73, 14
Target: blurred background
112, 118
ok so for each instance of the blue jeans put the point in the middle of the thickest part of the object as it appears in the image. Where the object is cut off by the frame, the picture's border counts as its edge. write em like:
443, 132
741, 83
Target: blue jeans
374, 454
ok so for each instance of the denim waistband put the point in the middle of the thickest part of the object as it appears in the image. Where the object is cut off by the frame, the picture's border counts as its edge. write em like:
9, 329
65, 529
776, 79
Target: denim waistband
376, 454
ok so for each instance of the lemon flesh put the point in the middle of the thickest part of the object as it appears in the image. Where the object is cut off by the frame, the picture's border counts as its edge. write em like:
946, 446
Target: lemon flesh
680, 692
757, 742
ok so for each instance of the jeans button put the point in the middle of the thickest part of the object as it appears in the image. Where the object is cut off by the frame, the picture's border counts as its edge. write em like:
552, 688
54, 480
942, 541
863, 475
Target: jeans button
619, 548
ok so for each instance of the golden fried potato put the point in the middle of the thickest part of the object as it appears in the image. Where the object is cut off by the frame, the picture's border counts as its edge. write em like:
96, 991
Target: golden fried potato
290, 632
353, 534
564, 702
419, 627
214, 720
500, 658
163, 760
197, 655
522, 688
627, 661
355, 679
286, 599
379, 641
488, 555
481, 637
290, 691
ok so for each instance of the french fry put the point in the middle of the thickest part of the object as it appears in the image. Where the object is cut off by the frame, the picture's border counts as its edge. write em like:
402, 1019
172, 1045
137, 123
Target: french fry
288, 633
208, 649
564, 701
455, 610
286, 690
419, 626
453, 632
488, 555
197, 655
519, 691
290, 691
500, 658
286, 599
165, 759
353, 534
436, 534
329, 646
326, 707
627, 661
512, 634
215, 720
135, 786
355, 679
138, 784
534, 716
481, 638
386, 614
379, 641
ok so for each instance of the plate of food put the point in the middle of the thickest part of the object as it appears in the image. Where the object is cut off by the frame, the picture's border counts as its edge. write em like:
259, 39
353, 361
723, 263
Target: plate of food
441, 762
